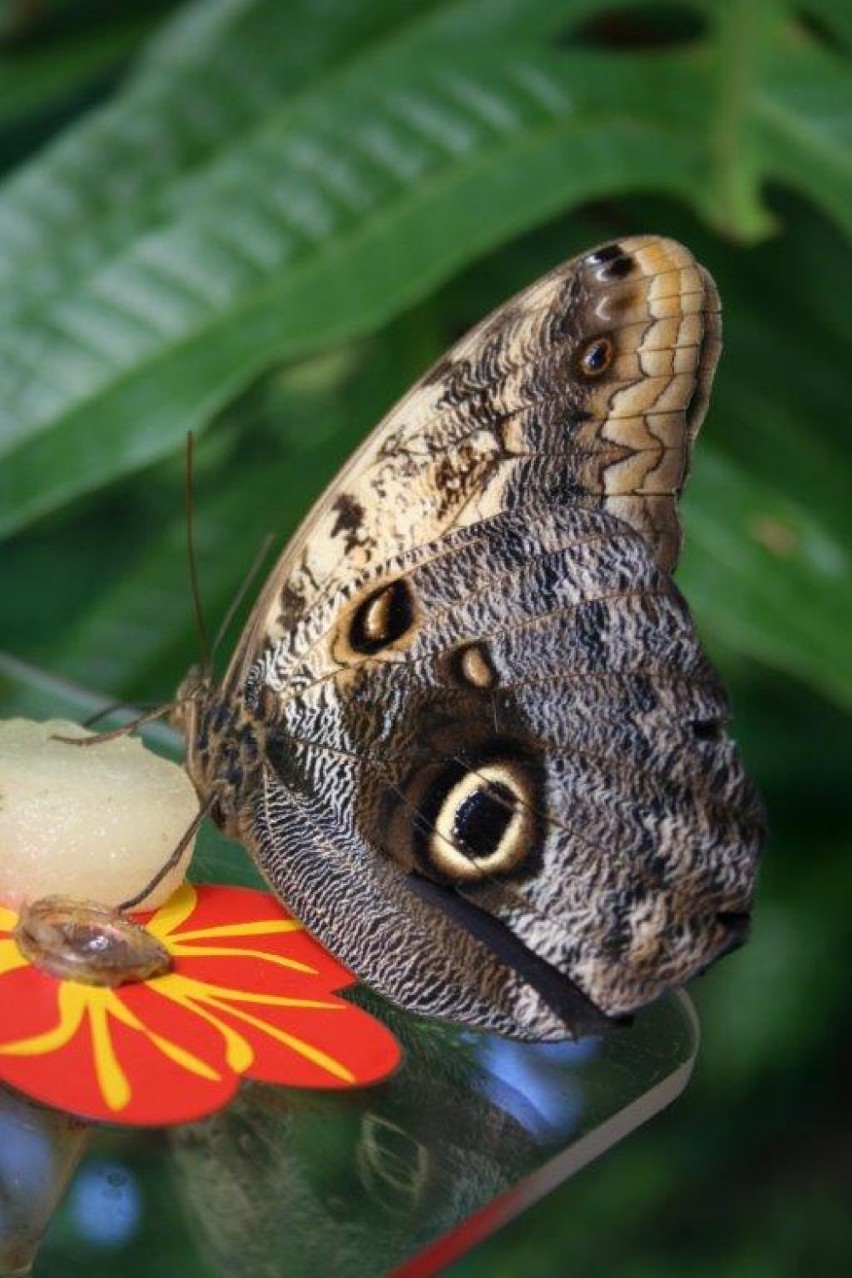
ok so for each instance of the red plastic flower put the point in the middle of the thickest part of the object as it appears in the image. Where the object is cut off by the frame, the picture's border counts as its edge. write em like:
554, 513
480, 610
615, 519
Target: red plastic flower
249, 993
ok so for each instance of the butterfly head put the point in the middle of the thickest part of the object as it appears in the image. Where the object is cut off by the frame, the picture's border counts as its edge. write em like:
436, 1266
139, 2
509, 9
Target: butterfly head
220, 742
194, 692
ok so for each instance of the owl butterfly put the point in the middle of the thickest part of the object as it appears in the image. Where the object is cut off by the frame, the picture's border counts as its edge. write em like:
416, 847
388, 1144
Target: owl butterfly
469, 733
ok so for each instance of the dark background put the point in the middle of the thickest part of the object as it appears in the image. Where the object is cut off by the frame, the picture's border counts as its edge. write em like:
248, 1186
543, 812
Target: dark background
261, 222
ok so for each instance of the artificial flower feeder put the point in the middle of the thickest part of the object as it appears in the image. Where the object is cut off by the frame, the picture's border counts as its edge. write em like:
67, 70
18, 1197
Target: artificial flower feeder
154, 1019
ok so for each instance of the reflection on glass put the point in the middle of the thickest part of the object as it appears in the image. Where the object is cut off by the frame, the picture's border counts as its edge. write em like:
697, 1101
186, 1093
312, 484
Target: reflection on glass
105, 1203
39, 1149
285, 1183
400, 1178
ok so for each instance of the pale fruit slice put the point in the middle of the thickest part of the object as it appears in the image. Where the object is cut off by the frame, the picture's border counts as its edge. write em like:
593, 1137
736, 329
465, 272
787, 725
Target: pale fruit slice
90, 822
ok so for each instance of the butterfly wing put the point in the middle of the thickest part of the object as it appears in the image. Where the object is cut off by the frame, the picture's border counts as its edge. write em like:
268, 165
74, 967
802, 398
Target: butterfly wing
504, 758
495, 776
588, 387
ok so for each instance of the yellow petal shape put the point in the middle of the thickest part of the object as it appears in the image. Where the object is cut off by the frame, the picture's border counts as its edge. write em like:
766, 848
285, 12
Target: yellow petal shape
112, 1080
177, 948
8, 919
11, 957
263, 927
176, 910
72, 1009
298, 1045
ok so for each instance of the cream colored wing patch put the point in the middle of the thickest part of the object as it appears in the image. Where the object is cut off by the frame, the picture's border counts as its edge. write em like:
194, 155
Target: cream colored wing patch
587, 388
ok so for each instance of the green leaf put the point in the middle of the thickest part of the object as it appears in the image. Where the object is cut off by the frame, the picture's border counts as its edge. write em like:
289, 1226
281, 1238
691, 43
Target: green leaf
213, 74
57, 60
803, 113
372, 156
764, 573
746, 31
208, 222
133, 635
831, 18
136, 303
782, 113
40, 79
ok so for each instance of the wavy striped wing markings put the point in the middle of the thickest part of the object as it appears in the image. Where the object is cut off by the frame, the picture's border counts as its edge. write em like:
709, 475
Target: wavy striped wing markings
509, 414
631, 801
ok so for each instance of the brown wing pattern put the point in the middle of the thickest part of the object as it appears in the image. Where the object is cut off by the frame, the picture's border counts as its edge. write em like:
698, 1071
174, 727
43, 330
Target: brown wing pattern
588, 387
539, 735
469, 733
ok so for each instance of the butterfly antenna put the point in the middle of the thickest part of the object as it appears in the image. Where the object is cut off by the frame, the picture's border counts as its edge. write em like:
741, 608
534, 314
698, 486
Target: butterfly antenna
172, 860
114, 706
201, 631
159, 712
262, 552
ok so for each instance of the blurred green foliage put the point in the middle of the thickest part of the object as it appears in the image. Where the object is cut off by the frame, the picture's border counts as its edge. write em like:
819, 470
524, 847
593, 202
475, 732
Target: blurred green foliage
260, 220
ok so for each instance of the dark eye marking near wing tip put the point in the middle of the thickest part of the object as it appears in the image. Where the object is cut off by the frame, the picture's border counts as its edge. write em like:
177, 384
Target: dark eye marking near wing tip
618, 269
613, 262
596, 357
606, 254
384, 617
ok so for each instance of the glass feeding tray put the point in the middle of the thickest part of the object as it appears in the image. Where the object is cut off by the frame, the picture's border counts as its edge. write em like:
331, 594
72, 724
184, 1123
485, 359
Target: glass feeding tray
396, 1179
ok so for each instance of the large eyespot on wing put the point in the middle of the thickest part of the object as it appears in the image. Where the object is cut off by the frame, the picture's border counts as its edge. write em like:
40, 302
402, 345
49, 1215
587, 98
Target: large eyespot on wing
549, 748
379, 620
588, 387
404, 943
473, 816
490, 527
